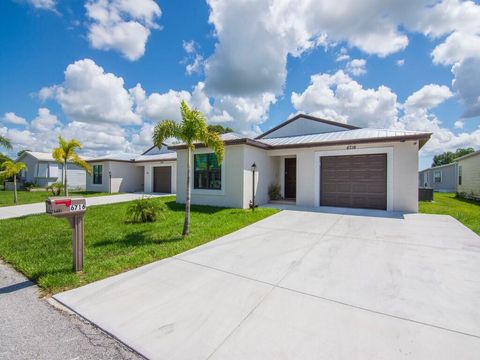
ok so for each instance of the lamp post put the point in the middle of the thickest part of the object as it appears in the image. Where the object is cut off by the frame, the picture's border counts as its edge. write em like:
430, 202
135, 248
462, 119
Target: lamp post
110, 181
252, 203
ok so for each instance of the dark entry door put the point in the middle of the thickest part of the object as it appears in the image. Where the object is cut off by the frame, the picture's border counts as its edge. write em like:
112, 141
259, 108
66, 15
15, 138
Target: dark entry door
162, 179
356, 181
290, 178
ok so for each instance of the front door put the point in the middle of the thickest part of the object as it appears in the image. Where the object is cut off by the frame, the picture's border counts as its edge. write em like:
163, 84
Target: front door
290, 178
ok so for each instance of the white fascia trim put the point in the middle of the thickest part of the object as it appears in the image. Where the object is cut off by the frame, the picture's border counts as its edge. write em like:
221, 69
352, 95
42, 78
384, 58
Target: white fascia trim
206, 191
382, 150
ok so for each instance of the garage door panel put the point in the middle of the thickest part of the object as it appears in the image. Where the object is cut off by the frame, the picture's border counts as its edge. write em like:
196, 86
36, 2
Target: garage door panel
358, 181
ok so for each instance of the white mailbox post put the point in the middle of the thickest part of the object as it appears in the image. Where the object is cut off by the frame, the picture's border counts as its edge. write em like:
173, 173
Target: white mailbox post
73, 210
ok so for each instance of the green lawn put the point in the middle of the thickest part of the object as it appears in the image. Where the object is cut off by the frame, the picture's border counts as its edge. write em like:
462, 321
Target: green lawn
40, 246
466, 211
27, 197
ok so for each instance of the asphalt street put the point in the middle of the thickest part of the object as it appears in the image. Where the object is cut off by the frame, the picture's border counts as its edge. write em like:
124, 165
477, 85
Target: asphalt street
31, 328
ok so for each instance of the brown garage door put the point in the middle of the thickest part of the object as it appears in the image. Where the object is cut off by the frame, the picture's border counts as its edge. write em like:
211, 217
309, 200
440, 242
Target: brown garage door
162, 179
357, 181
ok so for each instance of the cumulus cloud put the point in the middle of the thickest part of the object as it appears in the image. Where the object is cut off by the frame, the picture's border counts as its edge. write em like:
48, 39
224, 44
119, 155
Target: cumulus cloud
428, 97
466, 84
457, 47
91, 95
45, 121
193, 60
339, 97
459, 124
12, 118
356, 67
122, 25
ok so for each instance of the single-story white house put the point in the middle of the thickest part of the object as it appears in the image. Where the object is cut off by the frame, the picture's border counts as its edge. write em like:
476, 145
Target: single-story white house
154, 171
316, 162
43, 170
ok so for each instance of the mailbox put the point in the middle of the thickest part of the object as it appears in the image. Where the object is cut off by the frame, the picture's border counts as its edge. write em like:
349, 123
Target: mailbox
63, 206
73, 210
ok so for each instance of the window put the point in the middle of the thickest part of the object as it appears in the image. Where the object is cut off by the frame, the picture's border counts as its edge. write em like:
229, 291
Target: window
207, 172
42, 170
459, 175
97, 174
437, 176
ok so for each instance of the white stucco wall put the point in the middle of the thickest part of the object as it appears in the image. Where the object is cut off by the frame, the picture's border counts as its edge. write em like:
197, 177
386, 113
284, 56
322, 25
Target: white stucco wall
267, 173
231, 194
126, 177
148, 174
402, 170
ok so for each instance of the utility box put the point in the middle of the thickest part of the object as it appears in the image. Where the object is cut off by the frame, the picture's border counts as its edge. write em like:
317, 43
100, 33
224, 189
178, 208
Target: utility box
63, 206
73, 210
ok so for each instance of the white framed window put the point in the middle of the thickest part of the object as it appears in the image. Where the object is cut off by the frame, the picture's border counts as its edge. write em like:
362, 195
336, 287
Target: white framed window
207, 172
437, 176
42, 170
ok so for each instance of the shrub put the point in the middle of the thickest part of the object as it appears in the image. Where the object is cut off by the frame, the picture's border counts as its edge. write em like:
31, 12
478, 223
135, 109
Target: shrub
144, 210
55, 188
274, 192
28, 185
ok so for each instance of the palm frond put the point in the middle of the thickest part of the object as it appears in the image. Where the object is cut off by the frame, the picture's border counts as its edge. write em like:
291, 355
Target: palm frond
164, 130
77, 160
6, 143
59, 155
212, 140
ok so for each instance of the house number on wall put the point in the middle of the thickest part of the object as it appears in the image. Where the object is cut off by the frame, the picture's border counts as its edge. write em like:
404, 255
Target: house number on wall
351, 147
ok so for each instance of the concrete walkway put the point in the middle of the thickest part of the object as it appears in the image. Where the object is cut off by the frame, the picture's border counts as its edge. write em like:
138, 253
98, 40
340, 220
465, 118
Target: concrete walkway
303, 285
8, 212
31, 328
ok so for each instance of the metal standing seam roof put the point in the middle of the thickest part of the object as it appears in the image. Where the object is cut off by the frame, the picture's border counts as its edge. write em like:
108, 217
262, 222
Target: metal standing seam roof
43, 156
347, 135
158, 157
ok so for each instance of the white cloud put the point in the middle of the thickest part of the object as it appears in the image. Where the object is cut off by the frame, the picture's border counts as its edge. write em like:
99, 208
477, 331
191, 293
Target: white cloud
428, 97
340, 98
193, 60
356, 67
459, 124
122, 25
43, 4
91, 95
12, 118
45, 121
457, 47
466, 84
400, 62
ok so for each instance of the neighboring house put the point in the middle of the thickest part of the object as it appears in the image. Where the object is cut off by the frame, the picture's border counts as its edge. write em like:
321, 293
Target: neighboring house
153, 171
43, 171
468, 178
441, 178
316, 162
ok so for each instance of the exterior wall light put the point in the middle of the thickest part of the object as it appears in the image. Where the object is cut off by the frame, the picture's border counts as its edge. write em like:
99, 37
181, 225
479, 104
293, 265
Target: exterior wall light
252, 202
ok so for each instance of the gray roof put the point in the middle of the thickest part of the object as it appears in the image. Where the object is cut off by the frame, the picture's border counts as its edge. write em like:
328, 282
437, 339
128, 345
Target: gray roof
114, 157
157, 157
42, 156
439, 167
347, 135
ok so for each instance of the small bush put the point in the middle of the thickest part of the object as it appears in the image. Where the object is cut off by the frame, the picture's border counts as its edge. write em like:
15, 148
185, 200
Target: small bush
28, 185
55, 188
274, 192
144, 210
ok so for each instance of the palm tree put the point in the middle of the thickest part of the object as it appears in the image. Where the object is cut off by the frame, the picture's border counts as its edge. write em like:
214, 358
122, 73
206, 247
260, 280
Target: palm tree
6, 143
192, 129
11, 169
65, 153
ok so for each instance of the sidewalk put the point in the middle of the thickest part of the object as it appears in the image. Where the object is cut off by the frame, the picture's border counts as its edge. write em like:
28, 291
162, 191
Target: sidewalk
33, 329
9, 212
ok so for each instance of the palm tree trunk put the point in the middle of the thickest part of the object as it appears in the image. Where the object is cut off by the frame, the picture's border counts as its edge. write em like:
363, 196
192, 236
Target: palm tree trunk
65, 177
186, 224
15, 199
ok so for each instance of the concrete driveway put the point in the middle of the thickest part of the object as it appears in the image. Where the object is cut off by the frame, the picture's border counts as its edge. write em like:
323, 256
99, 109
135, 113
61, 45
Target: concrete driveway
337, 284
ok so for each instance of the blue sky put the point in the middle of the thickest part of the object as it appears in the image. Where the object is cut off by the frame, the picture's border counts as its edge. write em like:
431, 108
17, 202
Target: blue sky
105, 71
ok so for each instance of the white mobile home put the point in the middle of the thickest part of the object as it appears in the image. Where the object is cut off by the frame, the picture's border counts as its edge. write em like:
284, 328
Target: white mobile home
316, 162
